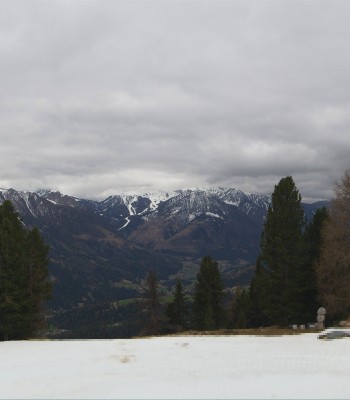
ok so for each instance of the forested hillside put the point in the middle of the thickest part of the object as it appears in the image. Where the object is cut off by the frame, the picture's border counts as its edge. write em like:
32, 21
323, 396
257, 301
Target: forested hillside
101, 251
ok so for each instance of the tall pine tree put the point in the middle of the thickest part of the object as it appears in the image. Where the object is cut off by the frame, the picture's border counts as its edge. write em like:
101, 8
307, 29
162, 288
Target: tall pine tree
280, 259
152, 305
207, 311
177, 309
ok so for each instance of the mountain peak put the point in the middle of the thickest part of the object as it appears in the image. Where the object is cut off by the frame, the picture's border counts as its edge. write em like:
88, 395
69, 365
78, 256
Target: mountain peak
44, 192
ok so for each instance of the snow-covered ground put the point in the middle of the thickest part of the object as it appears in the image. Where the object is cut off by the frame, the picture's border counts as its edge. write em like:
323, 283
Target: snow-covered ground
187, 367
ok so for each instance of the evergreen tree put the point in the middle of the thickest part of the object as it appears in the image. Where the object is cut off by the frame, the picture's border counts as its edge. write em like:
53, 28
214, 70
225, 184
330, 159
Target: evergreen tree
13, 291
258, 293
313, 242
39, 286
208, 312
333, 268
281, 255
177, 309
24, 281
241, 312
152, 304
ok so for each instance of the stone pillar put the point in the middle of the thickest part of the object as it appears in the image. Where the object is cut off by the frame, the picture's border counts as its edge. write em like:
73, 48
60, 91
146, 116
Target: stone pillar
321, 316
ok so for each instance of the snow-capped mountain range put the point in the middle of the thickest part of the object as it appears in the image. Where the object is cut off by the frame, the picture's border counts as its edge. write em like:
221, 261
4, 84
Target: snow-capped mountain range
186, 204
94, 243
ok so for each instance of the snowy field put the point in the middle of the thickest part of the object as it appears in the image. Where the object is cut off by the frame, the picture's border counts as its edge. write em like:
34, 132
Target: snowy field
182, 367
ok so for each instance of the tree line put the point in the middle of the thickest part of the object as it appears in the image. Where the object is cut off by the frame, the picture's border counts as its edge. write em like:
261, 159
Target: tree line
203, 310
24, 276
301, 266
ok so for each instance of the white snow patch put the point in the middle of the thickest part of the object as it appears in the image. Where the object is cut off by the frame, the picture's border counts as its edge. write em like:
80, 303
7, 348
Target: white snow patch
25, 197
182, 367
232, 203
126, 224
128, 200
43, 192
210, 214
192, 216
53, 202
157, 197
154, 197
131, 209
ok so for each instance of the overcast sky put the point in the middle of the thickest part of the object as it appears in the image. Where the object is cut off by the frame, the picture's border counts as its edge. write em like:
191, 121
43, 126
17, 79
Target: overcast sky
103, 97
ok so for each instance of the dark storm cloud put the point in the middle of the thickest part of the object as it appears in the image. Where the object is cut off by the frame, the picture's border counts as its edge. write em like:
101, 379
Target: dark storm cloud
100, 97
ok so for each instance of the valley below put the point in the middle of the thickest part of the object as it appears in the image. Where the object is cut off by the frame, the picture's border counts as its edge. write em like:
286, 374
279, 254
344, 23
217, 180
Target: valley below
101, 251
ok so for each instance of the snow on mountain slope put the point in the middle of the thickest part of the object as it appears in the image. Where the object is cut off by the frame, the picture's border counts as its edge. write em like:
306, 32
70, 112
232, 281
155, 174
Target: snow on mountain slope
136, 204
186, 205
128, 210
157, 197
195, 198
196, 201
26, 203
193, 203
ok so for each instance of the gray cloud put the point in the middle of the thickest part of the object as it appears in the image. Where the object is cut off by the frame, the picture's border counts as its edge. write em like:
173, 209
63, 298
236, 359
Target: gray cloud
100, 97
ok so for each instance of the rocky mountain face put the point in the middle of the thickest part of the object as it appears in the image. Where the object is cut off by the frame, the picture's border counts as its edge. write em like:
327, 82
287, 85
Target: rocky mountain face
97, 244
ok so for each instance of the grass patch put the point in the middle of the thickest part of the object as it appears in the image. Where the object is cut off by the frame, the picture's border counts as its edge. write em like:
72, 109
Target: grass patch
126, 284
124, 302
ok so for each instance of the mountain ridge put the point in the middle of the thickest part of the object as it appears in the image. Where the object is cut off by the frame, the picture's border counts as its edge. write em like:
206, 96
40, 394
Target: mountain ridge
96, 244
